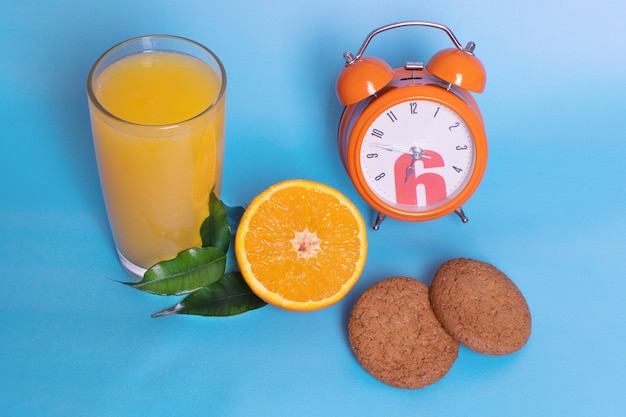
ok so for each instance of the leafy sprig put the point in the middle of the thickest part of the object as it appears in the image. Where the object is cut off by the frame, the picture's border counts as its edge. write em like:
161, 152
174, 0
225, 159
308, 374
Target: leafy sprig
212, 286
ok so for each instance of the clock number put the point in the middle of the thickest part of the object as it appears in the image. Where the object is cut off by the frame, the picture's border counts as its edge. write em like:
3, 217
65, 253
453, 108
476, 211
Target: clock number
413, 106
392, 116
457, 169
431, 186
461, 148
377, 133
372, 155
379, 176
436, 111
457, 124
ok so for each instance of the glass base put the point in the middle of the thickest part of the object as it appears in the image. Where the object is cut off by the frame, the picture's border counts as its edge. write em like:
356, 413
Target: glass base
133, 270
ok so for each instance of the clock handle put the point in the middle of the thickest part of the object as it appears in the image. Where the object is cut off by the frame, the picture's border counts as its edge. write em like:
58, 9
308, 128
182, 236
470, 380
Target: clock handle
350, 59
363, 77
457, 66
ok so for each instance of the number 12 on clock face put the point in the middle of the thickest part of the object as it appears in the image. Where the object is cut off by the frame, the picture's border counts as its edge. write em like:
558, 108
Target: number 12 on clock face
417, 154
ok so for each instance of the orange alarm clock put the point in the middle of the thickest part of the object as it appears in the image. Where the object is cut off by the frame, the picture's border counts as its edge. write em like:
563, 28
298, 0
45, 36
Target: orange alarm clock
412, 139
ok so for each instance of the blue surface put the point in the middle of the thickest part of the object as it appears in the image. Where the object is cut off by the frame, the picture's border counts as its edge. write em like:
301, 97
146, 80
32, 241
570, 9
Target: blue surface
549, 213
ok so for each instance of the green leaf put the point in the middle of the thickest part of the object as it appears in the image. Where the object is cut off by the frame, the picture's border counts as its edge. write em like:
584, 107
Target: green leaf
191, 269
227, 297
215, 230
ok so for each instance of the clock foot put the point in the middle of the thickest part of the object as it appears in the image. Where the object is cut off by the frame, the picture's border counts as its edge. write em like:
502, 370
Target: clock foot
379, 219
459, 212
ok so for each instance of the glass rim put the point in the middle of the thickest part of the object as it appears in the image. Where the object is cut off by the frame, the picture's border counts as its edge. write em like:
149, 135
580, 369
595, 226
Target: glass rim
94, 100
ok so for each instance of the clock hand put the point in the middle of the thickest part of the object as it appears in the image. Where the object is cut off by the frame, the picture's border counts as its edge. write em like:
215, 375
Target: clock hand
416, 154
415, 151
410, 170
392, 148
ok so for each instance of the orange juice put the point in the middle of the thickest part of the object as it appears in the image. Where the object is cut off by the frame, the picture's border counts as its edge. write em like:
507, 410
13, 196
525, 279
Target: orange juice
158, 137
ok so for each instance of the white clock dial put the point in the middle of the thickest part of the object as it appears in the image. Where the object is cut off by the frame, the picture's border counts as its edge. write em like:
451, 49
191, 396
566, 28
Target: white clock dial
417, 155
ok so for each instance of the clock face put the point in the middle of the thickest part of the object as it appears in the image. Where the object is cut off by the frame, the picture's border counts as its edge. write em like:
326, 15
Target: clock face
417, 155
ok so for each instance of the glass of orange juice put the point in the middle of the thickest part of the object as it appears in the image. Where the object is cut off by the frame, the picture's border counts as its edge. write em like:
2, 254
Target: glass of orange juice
157, 106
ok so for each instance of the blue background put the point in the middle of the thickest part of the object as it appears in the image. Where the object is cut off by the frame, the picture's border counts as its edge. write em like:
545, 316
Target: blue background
549, 212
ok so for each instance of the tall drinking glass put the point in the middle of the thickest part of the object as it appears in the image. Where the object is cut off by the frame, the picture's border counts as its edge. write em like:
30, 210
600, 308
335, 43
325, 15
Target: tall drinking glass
157, 106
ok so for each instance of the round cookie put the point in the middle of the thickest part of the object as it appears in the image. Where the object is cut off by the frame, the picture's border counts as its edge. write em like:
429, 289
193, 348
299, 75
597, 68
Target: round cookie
480, 307
396, 337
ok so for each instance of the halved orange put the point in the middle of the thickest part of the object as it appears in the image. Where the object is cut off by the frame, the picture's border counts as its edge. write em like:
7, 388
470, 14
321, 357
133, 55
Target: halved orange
301, 245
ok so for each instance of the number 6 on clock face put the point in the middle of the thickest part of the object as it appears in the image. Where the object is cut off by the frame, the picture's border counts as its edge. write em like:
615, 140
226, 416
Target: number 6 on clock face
417, 155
